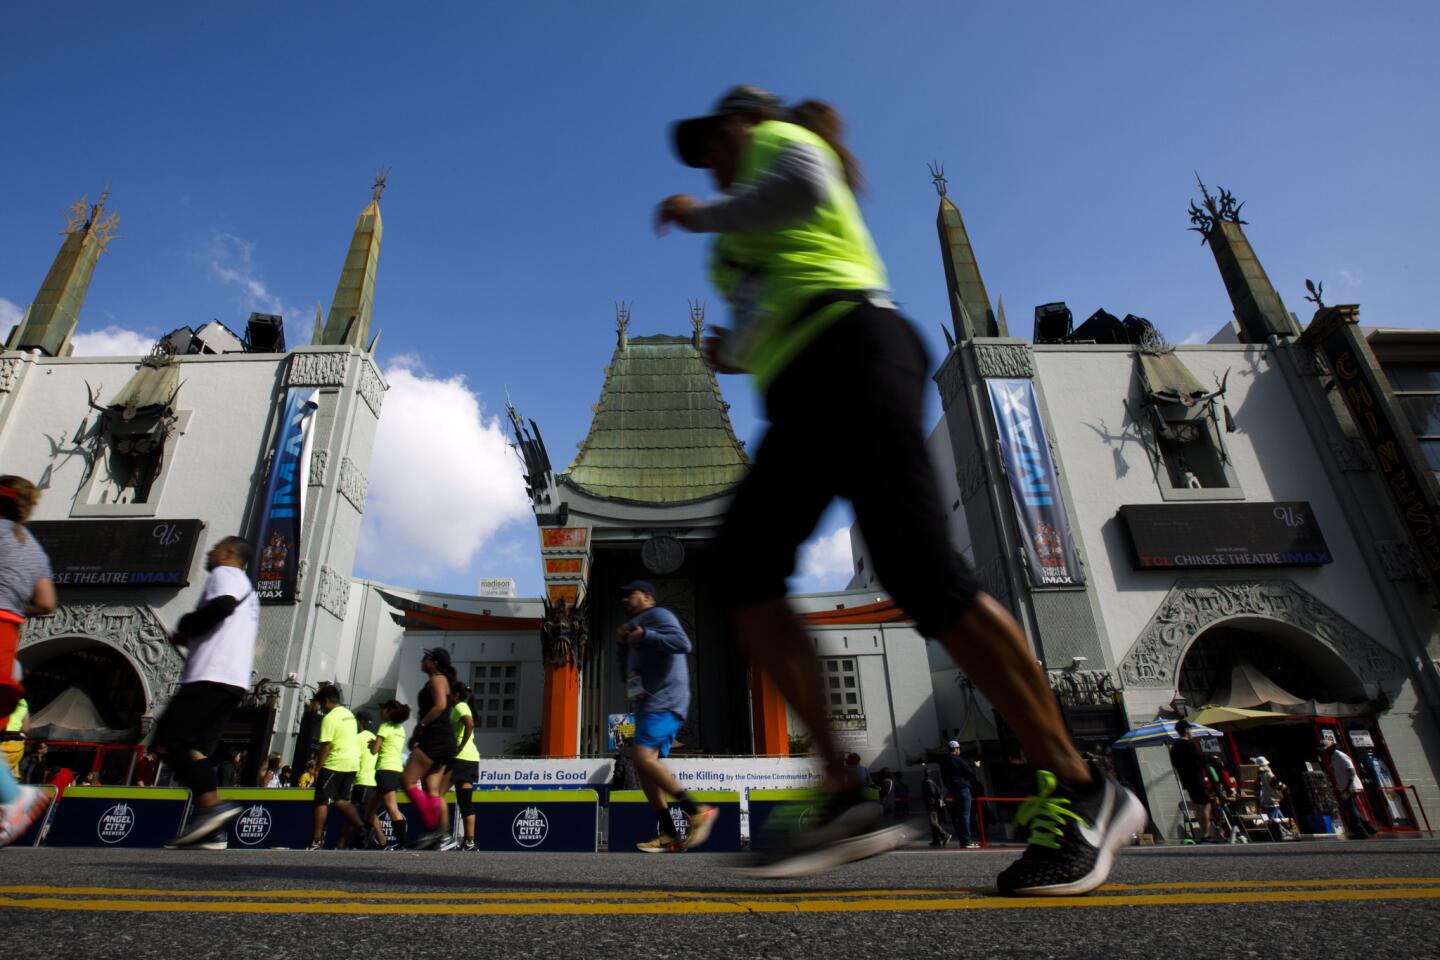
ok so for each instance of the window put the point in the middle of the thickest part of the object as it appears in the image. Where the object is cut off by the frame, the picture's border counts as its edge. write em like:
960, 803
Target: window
1417, 387
494, 693
1177, 417
842, 685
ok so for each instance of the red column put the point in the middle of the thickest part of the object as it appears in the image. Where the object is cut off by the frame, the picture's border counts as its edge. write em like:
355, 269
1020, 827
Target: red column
560, 728
767, 716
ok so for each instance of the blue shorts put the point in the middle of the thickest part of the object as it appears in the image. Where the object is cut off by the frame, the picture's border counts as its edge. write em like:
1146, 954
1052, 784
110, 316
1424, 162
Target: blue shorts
657, 730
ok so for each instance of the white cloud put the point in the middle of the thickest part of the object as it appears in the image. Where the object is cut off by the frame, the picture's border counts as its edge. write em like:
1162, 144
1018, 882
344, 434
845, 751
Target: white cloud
232, 259
1351, 278
826, 562
112, 341
1195, 336
11, 313
443, 479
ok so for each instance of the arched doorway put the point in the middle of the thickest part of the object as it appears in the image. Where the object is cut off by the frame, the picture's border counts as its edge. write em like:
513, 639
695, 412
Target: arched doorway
86, 702
1310, 696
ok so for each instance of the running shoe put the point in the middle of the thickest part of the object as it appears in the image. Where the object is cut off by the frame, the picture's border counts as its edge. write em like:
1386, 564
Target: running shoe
17, 816
470, 846
701, 822
661, 844
204, 822
832, 830
316, 845
429, 840
219, 840
449, 843
1073, 836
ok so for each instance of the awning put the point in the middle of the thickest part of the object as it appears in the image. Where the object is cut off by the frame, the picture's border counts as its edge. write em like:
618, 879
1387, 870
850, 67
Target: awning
1168, 380
1237, 718
1250, 689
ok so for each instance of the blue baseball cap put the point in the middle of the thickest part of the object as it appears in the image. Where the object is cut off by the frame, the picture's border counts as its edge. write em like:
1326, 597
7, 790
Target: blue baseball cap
644, 586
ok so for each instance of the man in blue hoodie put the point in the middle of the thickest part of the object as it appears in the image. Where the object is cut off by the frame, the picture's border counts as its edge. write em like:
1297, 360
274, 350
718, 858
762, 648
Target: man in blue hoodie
652, 647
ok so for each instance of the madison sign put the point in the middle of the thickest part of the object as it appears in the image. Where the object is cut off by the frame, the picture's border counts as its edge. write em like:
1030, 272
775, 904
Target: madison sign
1215, 535
119, 553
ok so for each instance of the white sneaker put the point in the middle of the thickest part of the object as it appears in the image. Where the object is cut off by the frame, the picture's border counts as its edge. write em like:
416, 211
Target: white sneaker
16, 817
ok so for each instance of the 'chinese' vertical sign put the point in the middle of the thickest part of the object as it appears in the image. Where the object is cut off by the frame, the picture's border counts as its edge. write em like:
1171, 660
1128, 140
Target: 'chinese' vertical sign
1034, 490
277, 548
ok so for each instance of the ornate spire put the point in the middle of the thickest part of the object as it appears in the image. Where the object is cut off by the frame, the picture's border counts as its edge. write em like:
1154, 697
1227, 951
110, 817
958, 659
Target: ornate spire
349, 319
697, 322
1259, 310
622, 323
51, 319
969, 303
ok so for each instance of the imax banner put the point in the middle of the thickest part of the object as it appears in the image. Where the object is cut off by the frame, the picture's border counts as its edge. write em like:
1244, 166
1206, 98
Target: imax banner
277, 546
1039, 511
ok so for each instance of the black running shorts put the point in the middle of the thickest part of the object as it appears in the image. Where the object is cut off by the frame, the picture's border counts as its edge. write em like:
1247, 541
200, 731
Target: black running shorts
464, 771
846, 420
334, 785
437, 742
387, 781
196, 716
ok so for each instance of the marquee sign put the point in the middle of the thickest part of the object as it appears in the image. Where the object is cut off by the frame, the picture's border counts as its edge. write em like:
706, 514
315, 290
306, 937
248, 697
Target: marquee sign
1220, 535
119, 553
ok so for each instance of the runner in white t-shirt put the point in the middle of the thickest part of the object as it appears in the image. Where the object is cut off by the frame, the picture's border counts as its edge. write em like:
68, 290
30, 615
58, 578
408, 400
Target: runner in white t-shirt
220, 634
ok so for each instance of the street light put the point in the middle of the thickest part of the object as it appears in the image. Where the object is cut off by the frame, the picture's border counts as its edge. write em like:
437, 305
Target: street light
1178, 705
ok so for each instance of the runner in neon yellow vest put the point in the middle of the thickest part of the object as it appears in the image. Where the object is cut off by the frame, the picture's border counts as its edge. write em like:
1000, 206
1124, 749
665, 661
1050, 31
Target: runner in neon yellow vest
16, 726
845, 377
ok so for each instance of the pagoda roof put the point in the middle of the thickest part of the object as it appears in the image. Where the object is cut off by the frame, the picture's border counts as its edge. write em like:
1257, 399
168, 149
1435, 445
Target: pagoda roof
661, 432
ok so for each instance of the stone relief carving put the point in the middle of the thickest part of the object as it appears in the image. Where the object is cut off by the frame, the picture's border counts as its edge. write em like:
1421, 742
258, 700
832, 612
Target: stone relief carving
1004, 360
318, 369
1399, 560
1085, 688
319, 464
1191, 606
950, 378
353, 484
372, 388
9, 373
971, 476
1351, 454
334, 592
132, 629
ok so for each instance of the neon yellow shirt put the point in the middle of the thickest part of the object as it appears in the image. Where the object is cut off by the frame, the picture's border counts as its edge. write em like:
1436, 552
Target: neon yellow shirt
365, 777
392, 741
17, 719
338, 729
457, 724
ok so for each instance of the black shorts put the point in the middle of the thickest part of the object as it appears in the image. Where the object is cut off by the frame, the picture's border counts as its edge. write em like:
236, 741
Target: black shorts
463, 771
1196, 790
360, 796
332, 785
846, 420
196, 716
387, 781
437, 742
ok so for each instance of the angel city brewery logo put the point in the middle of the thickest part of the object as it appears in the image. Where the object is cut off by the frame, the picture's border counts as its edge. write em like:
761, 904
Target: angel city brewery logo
387, 826
116, 823
253, 825
530, 827
682, 823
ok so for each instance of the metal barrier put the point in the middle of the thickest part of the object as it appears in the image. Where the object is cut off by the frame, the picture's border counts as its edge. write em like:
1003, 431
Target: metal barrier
980, 819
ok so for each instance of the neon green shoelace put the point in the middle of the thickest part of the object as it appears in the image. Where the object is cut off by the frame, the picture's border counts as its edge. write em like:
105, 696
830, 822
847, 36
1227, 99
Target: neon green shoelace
1045, 814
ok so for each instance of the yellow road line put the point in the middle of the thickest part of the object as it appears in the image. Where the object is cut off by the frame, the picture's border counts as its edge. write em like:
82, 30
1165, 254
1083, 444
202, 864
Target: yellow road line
579, 894
701, 907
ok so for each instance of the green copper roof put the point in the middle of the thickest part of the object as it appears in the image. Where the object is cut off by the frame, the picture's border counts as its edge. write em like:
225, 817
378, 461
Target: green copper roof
661, 433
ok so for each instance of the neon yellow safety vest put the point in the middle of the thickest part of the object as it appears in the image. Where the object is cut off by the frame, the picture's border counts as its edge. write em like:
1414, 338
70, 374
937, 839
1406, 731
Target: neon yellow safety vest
17, 719
769, 276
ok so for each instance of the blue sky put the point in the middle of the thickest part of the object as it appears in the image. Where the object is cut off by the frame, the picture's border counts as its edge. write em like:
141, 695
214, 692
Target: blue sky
528, 149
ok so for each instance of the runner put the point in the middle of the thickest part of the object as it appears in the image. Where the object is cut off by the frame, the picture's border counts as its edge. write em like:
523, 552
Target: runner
25, 590
431, 747
220, 636
12, 739
338, 763
464, 769
652, 648
388, 745
362, 794
844, 377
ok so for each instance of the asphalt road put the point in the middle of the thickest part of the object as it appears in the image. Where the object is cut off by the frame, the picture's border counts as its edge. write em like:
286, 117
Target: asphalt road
1300, 900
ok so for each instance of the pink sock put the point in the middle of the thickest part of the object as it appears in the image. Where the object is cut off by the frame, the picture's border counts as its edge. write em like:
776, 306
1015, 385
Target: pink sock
437, 807
422, 805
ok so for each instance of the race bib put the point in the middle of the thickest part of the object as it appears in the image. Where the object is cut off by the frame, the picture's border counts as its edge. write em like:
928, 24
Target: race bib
635, 687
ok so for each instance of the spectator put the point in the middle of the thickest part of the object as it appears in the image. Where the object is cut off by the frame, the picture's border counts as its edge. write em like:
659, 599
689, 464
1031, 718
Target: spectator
33, 767
287, 777
958, 775
1349, 789
885, 781
227, 771
1190, 768
270, 776
934, 799
1271, 790
307, 777
860, 772
146, 769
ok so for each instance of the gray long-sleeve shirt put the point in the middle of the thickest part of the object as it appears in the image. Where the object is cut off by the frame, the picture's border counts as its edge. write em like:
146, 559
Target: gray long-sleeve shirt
659, 659
796, 185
